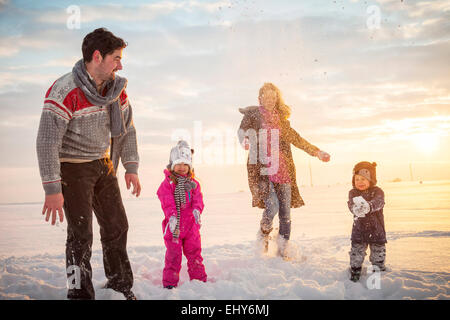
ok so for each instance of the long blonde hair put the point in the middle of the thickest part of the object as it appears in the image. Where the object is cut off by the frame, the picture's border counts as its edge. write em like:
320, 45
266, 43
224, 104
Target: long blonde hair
283, 109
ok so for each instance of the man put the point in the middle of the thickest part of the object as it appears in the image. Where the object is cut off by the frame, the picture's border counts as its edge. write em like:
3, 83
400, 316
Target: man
85, 113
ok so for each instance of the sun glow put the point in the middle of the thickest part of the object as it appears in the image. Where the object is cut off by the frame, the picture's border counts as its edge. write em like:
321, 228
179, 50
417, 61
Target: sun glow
426, 142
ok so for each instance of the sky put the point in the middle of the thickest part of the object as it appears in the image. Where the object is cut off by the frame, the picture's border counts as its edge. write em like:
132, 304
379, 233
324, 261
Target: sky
366, 81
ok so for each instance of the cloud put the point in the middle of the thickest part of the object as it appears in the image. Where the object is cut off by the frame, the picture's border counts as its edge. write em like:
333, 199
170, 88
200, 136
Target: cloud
39, 40
343, 81
19, 121
15, 82
124, 13
68, 63
427, 8
389, 134
8, 51
3, 4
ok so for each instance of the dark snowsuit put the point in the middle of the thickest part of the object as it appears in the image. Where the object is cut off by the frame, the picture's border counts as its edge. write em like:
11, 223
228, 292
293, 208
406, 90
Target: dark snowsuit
368, 230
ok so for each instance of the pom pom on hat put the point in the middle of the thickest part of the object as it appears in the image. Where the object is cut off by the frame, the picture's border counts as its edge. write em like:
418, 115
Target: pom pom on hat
181, 153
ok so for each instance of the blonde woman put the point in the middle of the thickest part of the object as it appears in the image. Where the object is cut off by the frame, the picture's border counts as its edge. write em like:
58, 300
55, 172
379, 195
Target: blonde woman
266, 132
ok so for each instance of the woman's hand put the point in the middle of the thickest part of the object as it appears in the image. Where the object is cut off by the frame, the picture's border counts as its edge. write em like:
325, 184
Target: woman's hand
246, 144
323, 156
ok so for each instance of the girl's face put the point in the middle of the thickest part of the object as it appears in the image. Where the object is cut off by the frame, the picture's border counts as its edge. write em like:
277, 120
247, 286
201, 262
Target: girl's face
268, 99
181, 168
361, 183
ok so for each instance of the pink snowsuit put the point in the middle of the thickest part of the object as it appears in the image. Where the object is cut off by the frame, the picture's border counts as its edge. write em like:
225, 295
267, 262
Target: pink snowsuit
189, 240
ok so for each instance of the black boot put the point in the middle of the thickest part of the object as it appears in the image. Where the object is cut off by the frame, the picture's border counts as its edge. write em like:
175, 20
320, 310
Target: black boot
355, 274
169, 287
129, 295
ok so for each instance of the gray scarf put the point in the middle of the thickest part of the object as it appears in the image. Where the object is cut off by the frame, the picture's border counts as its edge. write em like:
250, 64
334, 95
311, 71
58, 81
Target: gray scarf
184, 184
111, 99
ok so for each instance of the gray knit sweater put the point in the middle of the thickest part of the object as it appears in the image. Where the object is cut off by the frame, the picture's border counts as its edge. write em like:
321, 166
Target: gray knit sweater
72, 128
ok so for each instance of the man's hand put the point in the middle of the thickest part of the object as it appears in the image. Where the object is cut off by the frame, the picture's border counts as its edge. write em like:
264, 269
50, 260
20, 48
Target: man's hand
53, 204
133, 179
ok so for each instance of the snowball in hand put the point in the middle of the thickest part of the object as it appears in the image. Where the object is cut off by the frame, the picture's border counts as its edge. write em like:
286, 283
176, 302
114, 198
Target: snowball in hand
360, 207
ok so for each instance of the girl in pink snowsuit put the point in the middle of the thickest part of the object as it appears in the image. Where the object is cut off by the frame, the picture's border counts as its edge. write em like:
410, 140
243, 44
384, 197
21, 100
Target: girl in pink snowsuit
182, 204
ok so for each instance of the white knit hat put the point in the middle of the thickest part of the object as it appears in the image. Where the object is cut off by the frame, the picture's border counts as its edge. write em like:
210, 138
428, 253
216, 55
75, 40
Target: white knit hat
181, 153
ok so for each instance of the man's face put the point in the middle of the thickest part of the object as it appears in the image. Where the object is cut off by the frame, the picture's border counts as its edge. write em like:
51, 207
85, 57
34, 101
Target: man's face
110, 64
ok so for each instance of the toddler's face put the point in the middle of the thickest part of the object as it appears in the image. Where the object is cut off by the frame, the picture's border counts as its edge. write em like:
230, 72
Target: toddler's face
181, 168
361, 183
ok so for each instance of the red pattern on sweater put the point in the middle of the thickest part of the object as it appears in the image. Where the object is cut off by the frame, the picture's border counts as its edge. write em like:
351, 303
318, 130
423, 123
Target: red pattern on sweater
76, 100
271, 120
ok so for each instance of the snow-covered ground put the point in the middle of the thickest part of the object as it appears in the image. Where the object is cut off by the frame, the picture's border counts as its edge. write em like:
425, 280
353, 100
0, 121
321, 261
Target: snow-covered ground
417, 220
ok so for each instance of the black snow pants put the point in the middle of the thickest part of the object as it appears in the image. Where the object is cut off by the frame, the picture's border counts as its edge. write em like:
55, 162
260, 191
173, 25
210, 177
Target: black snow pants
87, 187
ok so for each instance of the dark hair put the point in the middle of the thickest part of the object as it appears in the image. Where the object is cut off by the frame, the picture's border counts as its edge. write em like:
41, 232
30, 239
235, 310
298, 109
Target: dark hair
102, 40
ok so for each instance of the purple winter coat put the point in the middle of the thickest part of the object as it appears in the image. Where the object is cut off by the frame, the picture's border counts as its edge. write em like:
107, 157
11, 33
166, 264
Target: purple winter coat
369, 229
